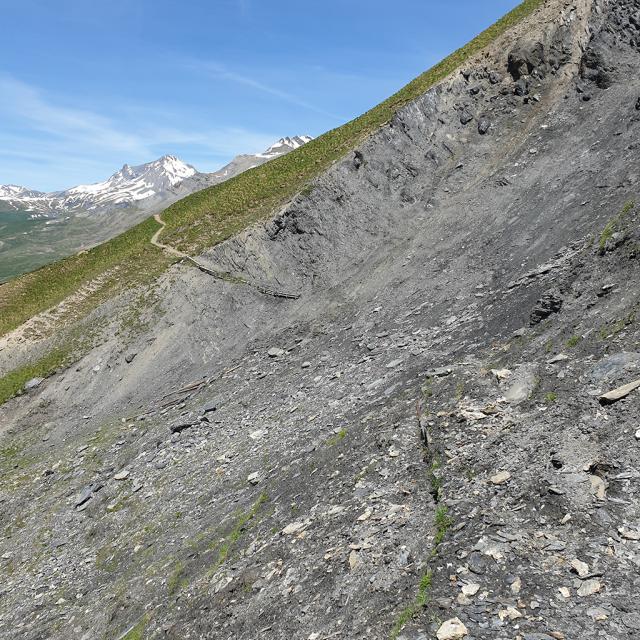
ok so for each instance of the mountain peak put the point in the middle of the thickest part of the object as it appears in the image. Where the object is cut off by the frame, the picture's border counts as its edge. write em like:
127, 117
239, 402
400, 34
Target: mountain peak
283, 145
154, 181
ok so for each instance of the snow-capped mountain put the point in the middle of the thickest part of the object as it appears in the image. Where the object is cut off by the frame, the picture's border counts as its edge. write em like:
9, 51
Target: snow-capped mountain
249, 161
147, 186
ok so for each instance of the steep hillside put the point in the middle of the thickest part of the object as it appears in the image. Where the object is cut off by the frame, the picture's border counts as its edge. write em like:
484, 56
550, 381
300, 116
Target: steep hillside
376, 413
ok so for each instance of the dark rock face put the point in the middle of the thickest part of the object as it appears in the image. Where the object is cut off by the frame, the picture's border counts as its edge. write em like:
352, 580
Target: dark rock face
549, 303
525, 59
398, 420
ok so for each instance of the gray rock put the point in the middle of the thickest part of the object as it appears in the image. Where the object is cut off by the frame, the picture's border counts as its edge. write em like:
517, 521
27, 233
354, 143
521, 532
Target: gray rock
34, 383
483, 126
547, 305
465, 117
523, 382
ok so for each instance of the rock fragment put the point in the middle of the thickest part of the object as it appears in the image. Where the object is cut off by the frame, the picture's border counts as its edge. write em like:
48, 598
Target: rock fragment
619, 393
452, 629
500, 478
581, 568
589, 588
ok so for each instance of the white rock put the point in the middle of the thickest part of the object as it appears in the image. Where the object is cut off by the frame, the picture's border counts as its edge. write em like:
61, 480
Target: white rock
598, 487
564, 592
254, 478
510, 612
501, 477
294, 527
589, 587
561, 357
581, 568
121, 475
638, 434
452, 630
629, 534
275, 352
470, 589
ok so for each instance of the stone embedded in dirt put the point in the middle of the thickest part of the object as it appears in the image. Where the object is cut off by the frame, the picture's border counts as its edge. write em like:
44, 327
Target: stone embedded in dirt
306, 364
495, 77
581, 568
452, 629
465, 117
121, 475
253, 478
182, 426
638, 434
561, 357
564, 592
394, 363
523, 385
501, 374
470, 589
598, 487
439, 372
354, 560
500, 478
629, 534
483, 126
84, 495
34, 383
589, 588
293, 528
510, 613
619, 393
275, 352
130, 357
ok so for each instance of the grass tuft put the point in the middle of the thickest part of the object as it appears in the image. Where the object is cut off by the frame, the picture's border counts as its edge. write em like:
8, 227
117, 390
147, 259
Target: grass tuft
13, 382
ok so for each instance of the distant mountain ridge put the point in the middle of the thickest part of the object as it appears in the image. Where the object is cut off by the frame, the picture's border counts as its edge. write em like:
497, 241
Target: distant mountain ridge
146, 186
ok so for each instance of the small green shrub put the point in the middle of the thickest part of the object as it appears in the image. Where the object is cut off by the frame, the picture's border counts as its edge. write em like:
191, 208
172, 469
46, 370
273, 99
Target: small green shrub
573, 341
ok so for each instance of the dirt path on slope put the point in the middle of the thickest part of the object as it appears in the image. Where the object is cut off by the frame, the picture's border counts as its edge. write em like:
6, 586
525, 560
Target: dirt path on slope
227, 277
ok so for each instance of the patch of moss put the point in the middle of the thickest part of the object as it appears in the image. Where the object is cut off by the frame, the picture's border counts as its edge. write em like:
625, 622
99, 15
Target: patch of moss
13, 382
338, 437
137, 632
177, 580
573, 341
614, 225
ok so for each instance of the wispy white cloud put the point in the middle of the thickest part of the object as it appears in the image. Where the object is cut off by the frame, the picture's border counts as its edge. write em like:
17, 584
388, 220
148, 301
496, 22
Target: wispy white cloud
49, 145
219, 71
27, 104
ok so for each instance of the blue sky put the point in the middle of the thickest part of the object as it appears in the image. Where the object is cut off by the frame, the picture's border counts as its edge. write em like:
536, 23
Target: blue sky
86, 86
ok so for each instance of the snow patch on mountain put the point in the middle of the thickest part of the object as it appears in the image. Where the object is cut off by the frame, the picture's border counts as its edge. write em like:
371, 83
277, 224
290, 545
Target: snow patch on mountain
155, 184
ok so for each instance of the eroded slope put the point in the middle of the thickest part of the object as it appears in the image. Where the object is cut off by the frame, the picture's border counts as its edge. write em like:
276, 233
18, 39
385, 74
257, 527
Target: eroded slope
247, 466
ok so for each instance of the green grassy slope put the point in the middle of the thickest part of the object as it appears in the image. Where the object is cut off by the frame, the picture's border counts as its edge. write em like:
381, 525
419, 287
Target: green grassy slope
214, 214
